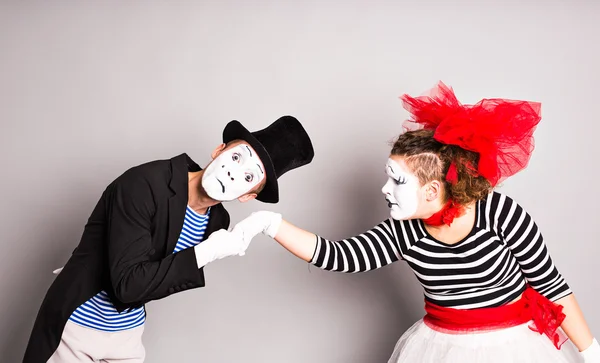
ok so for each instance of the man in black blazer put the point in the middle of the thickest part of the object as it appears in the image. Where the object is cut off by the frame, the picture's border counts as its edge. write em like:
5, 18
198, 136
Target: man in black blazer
134, 247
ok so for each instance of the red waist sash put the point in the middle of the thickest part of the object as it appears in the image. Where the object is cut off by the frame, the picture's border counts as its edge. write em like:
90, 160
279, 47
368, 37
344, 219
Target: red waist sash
545, 315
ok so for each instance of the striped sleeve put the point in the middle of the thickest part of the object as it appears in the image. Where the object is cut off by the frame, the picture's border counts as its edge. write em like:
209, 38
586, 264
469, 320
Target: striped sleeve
370, 250
526, 243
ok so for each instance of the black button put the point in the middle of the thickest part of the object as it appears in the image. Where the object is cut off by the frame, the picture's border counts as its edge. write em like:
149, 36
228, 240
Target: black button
190, 285
177, 288
171, 290
183, 287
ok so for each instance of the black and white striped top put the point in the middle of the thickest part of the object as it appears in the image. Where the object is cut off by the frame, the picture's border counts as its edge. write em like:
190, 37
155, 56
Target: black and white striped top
490, 267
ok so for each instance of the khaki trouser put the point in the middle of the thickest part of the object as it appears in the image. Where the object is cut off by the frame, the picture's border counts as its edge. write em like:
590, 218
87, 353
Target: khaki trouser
79, 344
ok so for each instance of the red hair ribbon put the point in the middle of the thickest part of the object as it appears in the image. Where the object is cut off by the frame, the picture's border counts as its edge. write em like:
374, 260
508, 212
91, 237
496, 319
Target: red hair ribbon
452, 174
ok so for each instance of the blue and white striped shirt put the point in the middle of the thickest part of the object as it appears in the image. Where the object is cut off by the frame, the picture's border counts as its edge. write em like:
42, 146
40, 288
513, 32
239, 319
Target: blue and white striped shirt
99, 313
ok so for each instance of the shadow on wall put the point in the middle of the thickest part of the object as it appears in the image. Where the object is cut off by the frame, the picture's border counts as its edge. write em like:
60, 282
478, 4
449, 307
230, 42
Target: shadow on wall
59, 226
392, 291
395, 283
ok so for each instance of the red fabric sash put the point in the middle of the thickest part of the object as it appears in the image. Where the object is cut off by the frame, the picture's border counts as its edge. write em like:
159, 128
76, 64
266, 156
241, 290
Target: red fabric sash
546, 316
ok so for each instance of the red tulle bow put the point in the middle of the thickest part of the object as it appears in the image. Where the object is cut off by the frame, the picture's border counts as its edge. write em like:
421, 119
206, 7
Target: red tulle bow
499, 130
547, 316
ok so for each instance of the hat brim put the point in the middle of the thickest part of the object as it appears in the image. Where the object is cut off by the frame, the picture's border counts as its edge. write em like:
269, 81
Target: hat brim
234, 130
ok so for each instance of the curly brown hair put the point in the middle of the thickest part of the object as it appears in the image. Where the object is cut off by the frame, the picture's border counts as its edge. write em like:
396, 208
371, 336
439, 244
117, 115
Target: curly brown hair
430, 160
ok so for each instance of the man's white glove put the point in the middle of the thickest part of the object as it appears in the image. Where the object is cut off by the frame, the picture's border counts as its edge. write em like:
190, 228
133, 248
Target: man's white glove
220, 244
592, 353
259, 222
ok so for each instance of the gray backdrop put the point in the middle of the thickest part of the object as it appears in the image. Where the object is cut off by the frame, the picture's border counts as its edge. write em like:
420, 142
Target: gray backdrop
89, 89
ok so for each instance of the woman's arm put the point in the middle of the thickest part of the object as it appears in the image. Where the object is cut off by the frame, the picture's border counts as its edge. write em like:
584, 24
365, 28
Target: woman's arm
370, 250
299, 242
574, 324
526, 243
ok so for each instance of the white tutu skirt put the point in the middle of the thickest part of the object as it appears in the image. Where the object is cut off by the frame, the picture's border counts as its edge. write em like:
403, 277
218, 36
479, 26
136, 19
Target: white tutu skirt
421, 344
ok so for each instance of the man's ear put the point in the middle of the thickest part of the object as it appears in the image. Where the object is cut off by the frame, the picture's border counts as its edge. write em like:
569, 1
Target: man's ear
219, 149
247, 197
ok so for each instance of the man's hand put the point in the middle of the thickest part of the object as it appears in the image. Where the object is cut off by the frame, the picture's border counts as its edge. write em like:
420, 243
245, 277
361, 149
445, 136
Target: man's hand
220, 244
258, 222
296, 240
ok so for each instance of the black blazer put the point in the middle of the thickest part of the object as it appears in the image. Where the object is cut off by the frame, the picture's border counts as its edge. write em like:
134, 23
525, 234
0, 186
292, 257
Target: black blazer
127, 250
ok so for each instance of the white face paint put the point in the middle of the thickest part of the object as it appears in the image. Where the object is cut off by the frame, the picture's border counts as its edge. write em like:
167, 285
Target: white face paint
233, 173
401, 191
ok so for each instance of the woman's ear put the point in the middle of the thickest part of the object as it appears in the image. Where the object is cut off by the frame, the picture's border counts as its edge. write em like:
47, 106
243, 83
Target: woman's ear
434, 190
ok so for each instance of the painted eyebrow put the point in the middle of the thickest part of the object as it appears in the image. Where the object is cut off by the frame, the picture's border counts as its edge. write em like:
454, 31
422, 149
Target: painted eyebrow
260, 168
250, 151
399, 178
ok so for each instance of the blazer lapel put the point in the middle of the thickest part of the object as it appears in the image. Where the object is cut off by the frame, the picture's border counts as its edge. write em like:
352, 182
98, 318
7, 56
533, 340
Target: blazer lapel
178, 201
219, 218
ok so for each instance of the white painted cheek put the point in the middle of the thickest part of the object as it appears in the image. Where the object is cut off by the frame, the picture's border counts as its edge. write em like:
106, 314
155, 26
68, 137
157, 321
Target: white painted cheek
210, 169
407, 197
209, 182
238, 187
212, 187
214, 171
233, 192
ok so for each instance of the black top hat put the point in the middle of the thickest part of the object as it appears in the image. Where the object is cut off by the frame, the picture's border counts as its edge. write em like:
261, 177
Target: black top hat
282, 146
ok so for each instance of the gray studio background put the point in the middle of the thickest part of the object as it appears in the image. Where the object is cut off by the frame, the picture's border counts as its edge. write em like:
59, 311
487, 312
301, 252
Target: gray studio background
89, 89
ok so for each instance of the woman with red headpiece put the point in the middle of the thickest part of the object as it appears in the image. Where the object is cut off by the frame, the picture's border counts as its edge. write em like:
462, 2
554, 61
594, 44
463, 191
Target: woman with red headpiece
492, 292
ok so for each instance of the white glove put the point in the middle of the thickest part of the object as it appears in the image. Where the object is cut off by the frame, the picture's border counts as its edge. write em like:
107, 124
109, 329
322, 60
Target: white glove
220, 244
259, 222
592, 353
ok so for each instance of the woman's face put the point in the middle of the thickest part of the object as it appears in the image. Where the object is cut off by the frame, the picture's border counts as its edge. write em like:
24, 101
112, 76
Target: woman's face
402, 190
